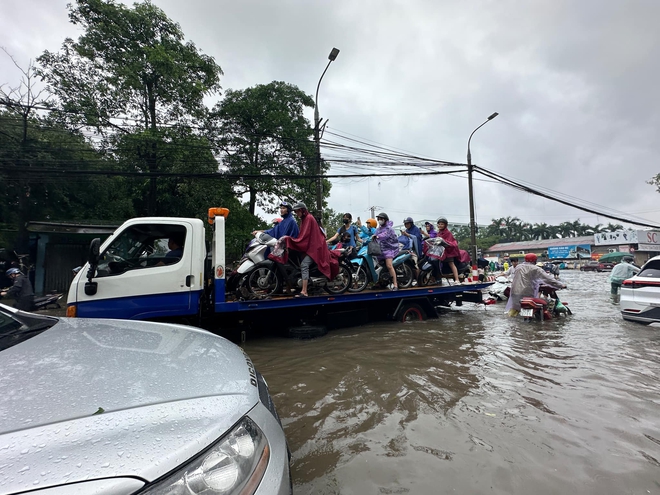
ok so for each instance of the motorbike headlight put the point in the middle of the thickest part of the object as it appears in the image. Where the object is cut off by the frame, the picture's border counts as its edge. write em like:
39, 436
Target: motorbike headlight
235, 464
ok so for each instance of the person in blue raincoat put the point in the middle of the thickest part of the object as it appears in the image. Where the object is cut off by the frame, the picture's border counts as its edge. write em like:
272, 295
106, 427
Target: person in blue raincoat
367, 230
287, 226
411, 230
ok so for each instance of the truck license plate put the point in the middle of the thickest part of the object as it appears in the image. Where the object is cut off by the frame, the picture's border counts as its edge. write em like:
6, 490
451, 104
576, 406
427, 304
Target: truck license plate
527, 312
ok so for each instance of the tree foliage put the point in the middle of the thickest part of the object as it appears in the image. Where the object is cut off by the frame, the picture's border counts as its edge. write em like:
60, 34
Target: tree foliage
262, 131
131, 77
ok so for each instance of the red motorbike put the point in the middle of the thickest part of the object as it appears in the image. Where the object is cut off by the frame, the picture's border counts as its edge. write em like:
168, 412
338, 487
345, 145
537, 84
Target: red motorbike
543, 308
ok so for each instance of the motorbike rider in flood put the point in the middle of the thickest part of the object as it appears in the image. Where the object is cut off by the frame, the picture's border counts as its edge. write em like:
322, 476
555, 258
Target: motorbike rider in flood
527, 278
21, 290
621, 272
311, 242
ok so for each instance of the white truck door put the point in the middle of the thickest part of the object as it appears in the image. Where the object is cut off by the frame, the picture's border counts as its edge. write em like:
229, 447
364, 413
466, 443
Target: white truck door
149, 268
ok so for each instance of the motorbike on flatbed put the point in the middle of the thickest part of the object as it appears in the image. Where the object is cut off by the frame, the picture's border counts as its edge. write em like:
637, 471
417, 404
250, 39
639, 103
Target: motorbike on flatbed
270, 277
368, 269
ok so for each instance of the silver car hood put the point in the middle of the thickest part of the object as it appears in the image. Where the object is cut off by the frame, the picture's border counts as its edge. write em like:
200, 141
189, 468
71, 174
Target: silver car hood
91, 399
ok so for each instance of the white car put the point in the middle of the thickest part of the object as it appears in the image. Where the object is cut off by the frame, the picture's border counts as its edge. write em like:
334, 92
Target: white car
114, 407
640, 295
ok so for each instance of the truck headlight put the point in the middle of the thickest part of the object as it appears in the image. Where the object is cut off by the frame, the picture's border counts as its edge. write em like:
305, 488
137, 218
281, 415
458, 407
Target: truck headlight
235, 464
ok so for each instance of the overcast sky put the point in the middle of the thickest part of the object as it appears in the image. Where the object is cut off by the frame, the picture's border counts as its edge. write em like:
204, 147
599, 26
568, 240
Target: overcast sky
574, 82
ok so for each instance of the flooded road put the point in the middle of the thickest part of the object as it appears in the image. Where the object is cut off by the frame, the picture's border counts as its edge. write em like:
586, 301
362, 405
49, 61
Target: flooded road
474, 402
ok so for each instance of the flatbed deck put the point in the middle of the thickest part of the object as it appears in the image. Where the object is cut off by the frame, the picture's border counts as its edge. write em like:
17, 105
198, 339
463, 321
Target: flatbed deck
279, 302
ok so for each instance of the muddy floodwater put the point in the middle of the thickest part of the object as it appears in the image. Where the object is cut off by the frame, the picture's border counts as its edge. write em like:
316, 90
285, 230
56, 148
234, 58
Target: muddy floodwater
474, 402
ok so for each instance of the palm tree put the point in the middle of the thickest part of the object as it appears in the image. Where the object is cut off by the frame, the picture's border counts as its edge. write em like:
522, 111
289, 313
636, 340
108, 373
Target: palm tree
613, 227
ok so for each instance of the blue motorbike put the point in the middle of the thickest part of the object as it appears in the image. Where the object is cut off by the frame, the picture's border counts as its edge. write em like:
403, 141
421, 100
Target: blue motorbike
367, 269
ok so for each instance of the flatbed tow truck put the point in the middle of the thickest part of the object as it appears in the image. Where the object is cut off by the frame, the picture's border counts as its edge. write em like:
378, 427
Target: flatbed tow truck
132, 275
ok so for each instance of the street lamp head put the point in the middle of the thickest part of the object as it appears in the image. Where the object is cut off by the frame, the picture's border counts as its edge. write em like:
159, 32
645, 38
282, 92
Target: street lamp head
333, 54
493, 116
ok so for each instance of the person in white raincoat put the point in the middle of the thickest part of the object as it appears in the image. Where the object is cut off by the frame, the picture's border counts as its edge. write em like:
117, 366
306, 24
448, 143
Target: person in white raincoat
526, 281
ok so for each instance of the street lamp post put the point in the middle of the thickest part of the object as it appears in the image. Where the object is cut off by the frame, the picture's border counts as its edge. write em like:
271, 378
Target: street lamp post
473, 226
317, 135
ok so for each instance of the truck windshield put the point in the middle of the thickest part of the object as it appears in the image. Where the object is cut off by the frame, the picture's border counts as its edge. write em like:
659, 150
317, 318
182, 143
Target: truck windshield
143, 246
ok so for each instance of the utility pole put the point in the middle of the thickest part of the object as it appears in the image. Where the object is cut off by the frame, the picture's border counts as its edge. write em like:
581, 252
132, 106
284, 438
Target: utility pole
317, 136
473, 225
373, 210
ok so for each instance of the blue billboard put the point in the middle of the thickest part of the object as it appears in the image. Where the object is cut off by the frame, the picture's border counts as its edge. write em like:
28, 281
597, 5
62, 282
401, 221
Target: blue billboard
574, 252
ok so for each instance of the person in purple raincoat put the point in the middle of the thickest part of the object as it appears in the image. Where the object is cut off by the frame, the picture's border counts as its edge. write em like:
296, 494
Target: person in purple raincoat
389, 244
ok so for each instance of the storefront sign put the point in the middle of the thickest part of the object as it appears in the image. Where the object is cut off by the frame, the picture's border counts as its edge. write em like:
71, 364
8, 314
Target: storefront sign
648, 240
579, 251
618, 237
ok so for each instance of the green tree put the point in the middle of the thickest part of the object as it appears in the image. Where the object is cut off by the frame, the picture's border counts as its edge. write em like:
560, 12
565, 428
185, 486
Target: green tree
131, 77
261, 131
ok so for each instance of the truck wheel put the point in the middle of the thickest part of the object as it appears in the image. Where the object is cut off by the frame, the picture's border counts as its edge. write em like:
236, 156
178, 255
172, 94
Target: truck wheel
307, 332
341, 282
411, 312
359, 280
404, 275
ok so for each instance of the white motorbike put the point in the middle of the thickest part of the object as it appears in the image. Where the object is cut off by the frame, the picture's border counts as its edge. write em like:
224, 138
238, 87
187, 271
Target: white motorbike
255, 253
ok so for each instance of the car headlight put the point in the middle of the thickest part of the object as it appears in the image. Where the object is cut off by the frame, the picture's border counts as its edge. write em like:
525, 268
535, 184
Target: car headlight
235, 464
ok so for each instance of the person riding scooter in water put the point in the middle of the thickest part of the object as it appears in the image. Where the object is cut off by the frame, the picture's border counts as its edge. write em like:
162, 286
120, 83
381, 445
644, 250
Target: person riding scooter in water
21, 290
389, 245
311, 242
621, 272
527, 278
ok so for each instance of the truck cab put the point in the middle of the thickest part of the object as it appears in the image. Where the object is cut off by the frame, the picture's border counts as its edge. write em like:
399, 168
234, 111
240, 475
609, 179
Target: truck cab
149, 268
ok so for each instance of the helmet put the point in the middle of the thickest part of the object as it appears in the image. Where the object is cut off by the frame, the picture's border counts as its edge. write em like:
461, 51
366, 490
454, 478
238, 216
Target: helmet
442, 220
628, 259
276, 220
383, 215
12, 271
372, 222
531, 257
408, 220
300, 206
286, 205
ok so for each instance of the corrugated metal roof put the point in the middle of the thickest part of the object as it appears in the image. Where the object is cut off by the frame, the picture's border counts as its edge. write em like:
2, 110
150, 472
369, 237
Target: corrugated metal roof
542, 244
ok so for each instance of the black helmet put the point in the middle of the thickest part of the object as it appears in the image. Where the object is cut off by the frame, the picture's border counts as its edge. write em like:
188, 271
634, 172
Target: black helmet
383, 215
628, 259
442, 220
300, 206
286, 205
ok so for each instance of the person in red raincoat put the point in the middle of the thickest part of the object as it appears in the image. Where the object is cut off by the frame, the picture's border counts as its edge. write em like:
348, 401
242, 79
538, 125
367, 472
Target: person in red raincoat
452, 253
311, 242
